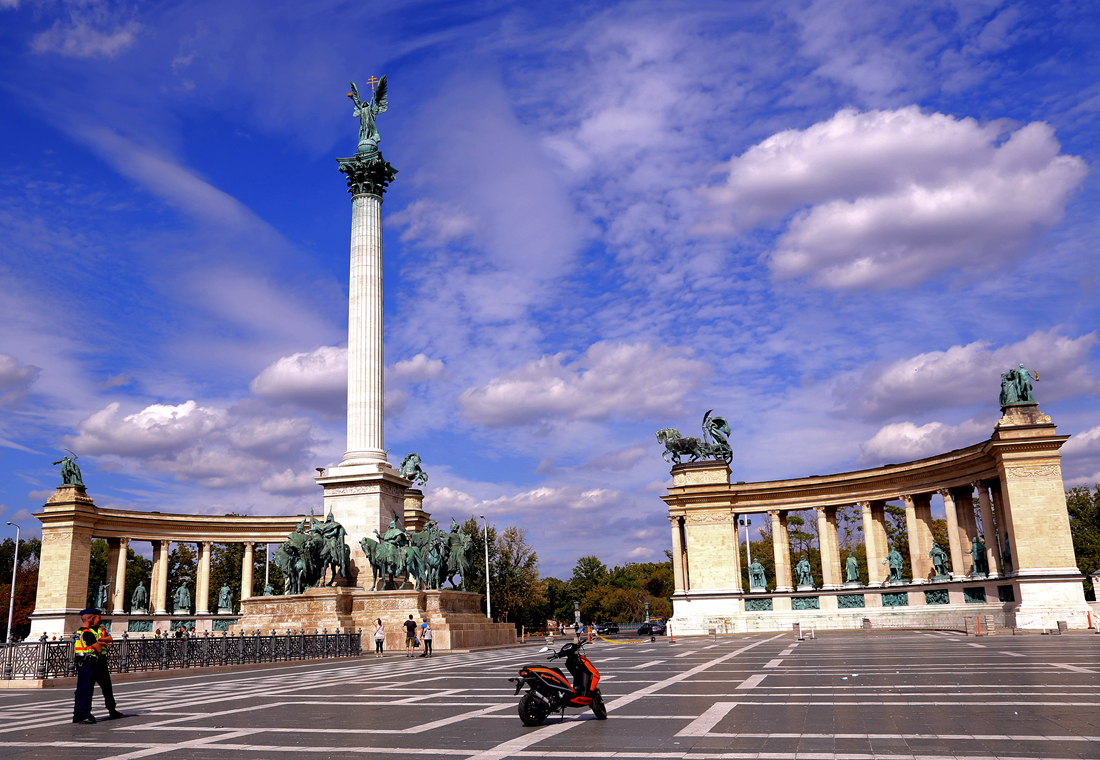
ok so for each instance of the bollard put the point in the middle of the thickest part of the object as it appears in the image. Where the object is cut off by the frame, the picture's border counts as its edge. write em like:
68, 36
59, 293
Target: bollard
1063, 626
798, 631
713, 632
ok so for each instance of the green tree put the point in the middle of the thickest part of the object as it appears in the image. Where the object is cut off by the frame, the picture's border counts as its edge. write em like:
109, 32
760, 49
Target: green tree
97, 569
516, 588
1084, 526
26, 585
138, 569
475, 577
225, 569
182, 571
897, 535
588, 573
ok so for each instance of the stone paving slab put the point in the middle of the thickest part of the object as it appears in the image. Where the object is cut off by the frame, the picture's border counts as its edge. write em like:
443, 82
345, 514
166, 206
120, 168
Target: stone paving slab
902, 695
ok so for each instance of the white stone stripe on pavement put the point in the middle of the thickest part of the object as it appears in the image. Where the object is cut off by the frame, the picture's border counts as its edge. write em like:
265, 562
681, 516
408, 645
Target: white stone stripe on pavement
708, 720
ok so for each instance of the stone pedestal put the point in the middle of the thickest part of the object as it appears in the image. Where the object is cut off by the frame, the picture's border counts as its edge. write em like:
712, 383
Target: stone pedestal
415, 516
67, 522
758, 590
364, 499
456, 617
805, 587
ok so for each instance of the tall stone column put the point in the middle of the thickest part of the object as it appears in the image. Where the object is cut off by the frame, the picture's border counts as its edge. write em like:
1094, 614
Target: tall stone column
918, 526
366, 357
679, 579
781, 550
246, 571
736, 554
119, 595
364, 493
1005, 527
112, 572
989, 530
68, 519
954, 549
160, 598
202, 581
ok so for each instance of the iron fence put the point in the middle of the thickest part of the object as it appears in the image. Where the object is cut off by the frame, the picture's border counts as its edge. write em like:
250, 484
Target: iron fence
55, 659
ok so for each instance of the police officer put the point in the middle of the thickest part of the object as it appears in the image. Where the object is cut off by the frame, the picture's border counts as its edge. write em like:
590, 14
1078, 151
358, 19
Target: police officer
91, 668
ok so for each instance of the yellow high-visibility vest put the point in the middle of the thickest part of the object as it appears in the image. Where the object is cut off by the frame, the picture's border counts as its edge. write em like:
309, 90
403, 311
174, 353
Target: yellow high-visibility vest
85, 650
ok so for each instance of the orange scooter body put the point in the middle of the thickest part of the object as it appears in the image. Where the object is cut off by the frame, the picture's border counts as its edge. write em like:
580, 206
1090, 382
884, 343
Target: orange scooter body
550, 690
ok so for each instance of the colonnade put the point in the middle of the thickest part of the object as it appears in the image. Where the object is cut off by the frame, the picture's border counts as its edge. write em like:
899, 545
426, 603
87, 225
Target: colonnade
117, 550
962, 527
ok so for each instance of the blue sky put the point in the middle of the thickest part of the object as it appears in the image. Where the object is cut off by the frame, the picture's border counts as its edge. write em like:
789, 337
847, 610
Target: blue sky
833, 222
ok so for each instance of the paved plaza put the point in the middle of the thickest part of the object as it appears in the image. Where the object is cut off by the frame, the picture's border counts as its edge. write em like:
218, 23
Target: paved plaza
843, 695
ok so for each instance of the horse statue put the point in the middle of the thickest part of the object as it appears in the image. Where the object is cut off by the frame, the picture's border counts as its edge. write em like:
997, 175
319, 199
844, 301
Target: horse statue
413, 567
713, 445
456, 560
411, 470
370, 548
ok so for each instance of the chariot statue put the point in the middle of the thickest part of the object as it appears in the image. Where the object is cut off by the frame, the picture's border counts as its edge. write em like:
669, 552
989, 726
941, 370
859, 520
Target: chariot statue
713, 445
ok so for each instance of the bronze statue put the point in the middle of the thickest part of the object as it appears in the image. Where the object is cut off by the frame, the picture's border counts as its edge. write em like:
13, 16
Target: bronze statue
101, 596
852, 568
939, 560
140, 598
225, 598
70, 471
805, 577
1016, 387
714, 427
365, 112
757, 576
411, 470
183, 599
896, 562
977, 552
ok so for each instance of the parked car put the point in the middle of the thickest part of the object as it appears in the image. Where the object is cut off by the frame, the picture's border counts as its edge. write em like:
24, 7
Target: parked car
607, 628
652, 628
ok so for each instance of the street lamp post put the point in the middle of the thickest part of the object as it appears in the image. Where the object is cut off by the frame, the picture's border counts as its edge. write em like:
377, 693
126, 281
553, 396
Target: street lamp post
267, 566
488, 607
14, 569
745, 523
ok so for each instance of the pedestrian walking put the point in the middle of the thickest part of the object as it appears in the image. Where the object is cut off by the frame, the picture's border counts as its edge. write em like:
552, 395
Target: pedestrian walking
410, 636
92, 668
426, 637
379, 637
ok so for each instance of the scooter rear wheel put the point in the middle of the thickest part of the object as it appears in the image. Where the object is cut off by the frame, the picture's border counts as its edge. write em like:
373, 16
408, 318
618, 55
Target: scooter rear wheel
531, 711
598, 707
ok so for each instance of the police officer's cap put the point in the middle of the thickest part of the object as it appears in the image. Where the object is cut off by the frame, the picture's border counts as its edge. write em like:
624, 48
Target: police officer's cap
90, 611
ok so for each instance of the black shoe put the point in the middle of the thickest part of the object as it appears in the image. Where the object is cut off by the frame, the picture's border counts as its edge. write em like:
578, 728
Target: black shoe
115, 715
86, 721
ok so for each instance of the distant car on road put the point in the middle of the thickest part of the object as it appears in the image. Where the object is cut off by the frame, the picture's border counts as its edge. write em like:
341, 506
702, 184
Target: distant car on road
607, 628
652, 628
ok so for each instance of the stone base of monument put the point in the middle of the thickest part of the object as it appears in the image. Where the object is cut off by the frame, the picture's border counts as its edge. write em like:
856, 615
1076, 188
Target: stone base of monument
180, 611
853, 584
455, 616
758, 590
224, 611
805, 587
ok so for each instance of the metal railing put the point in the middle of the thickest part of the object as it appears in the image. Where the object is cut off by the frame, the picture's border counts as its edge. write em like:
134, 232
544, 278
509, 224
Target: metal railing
55, 659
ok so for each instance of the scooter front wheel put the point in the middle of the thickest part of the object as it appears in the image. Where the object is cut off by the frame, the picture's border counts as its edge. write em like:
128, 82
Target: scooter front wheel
598, 707
531, 711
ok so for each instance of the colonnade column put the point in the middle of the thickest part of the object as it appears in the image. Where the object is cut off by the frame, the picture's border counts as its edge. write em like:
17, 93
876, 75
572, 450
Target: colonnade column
874, 543
952, 532
1003, 515
202, 580
989, 529
918, 525
119, 596
160, 565
246, 572
677, 555
827, 545
112, 572
736, 553
781, 550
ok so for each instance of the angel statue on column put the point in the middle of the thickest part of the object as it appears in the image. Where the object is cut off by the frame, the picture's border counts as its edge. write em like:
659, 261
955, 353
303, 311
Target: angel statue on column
365, 112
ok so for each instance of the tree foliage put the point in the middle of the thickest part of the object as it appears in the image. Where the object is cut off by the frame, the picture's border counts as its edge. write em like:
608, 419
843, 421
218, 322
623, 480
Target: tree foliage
26, 585
1084, 525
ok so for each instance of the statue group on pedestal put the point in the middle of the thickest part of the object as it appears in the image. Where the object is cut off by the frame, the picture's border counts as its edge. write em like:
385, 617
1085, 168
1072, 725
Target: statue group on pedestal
425, 559
309, 552
1016, 386
713, 445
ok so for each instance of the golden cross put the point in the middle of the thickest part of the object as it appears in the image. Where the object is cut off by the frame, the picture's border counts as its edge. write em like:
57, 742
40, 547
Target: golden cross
372, 82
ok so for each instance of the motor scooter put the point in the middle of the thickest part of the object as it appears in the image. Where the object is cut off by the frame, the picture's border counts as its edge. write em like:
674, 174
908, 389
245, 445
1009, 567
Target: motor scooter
550, 691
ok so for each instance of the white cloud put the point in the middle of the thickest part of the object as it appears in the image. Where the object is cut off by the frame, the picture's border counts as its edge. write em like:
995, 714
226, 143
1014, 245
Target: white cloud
289, 482
905, 441
892, 198
316, 380
1081, 458
82, 37
15, 379
634, 381
214, 447
432, 223
415, 370
970, 374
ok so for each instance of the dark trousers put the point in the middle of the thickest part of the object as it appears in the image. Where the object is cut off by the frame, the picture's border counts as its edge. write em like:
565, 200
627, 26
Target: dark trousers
427, 647
88, 674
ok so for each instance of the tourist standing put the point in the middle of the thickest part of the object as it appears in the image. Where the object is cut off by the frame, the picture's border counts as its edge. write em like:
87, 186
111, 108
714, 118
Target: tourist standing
92, 668
410, 636
379, 637
426, 637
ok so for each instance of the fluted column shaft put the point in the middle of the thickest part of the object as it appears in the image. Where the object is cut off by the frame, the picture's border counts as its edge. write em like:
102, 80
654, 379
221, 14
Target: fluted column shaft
366, 356
246, 572
119, 595
677, 555
918, 525
202, 581
830, 558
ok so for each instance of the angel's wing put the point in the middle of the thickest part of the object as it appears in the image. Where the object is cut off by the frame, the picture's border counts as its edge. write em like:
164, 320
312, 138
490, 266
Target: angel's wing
380, 102
355, 91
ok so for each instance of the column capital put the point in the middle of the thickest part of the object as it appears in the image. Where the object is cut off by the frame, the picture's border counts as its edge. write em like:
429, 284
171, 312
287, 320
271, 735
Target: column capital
864, 506
820, 511
776, 513
946, 493
249, 544
977, 484
908, 498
